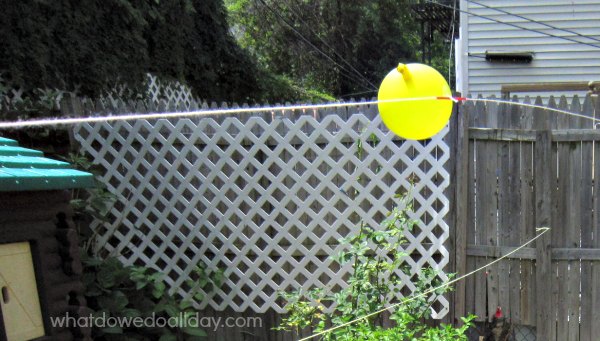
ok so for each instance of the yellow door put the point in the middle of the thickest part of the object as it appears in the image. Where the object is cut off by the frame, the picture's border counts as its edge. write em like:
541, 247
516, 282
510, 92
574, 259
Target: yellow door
19, 296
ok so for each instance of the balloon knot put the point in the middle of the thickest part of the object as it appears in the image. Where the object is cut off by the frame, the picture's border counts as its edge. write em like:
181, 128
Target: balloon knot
402, 68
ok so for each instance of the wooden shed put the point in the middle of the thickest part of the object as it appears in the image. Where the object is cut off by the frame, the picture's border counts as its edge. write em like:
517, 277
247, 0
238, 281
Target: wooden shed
40, 269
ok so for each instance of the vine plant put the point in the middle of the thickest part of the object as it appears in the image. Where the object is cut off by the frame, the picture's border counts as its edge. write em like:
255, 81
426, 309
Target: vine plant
115, 290
376, 259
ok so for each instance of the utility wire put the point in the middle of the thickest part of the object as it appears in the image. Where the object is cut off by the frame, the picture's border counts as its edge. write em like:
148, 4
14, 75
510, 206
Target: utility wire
330, 47
282, 22
534, 21
358, 93
514, 25
451, 41
309, 42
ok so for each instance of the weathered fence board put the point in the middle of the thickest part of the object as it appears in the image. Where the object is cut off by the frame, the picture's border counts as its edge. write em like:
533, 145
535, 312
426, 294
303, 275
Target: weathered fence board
504, 217
586, 204
595, 280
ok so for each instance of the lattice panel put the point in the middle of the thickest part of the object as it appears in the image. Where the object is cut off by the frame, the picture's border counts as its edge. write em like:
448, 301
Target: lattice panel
176, 94
266, 201
173, 92
11, 95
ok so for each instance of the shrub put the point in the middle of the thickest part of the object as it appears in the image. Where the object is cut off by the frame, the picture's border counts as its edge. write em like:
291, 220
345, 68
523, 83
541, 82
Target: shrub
114, 290
373, 284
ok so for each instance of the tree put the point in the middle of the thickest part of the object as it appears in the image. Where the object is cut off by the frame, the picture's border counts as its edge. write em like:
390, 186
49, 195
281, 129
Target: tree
93, 45
336, 46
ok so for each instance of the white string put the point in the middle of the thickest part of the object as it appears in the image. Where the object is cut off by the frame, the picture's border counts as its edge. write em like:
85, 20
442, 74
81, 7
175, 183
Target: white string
569, 113
540, 231
216, 112
207, 112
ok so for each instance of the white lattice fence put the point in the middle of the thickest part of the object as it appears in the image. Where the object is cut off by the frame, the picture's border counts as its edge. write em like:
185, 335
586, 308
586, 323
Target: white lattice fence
265, 198
180, 95
12, 96
172, 92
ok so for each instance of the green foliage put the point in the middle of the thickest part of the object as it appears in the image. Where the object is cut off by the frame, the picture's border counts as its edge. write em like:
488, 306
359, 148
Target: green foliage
376, 259
114, 290
371, 36
91, 46
40, 101
278, 88
89, 203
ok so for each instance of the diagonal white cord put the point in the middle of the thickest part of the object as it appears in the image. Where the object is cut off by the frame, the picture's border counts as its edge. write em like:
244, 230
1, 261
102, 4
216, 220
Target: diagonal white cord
541, 231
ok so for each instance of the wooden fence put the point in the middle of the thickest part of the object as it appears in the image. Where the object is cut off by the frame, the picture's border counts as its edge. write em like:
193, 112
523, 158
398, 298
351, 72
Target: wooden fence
519, 168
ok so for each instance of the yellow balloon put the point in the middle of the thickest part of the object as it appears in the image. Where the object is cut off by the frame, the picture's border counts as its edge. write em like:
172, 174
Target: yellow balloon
419, 119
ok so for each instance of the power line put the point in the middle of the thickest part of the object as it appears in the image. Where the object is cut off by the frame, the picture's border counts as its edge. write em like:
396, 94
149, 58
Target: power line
359, 93
534, 21
451, 41
331, 48
309, 42
515, 25
361, 77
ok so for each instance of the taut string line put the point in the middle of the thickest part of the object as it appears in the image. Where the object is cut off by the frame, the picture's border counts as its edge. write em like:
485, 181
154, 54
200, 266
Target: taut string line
541, 231
205, 112
216, 112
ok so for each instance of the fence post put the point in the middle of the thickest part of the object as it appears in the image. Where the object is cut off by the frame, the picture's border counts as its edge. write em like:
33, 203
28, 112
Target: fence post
461, 209
543, 218
71, 106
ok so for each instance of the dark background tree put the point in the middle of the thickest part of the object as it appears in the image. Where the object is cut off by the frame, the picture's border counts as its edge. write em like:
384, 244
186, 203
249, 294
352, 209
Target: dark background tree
335, 46
92, 45
290, 49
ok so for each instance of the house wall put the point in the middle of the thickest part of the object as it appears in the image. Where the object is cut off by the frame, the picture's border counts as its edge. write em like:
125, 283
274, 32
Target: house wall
555, 59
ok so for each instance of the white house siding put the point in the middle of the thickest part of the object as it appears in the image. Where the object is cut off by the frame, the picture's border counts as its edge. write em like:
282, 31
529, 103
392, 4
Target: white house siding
555, 59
